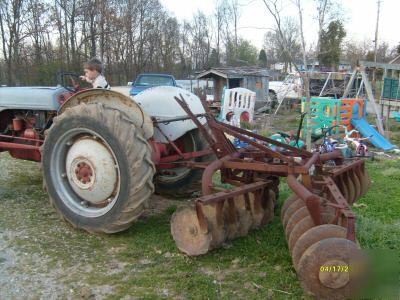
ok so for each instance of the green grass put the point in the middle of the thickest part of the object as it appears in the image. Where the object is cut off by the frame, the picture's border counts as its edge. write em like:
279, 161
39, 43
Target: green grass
143, 261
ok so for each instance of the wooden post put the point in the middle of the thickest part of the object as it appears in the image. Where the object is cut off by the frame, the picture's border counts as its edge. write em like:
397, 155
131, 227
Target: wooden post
382, 88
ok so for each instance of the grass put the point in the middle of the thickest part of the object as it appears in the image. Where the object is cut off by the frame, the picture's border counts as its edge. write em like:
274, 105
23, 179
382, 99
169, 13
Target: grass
143, 262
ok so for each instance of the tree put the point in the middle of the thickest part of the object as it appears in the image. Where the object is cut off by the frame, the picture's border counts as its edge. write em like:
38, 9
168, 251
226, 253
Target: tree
274, 9
398, 49
244, 54
12, 19
214, 59
262, 59
284, 46
354, 51
331, 42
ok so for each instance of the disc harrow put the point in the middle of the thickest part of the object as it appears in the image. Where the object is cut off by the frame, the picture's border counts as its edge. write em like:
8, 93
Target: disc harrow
317, 218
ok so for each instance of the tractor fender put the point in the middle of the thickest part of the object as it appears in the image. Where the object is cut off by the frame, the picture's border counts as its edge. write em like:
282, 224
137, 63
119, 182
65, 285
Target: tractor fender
159, 102
114, 100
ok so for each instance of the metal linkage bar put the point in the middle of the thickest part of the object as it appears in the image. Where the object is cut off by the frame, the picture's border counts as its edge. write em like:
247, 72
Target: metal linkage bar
343, 206
183, 118
221, 147
241, 131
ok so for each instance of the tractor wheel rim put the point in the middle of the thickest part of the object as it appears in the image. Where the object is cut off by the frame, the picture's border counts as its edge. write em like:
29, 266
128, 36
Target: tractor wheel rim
86, 174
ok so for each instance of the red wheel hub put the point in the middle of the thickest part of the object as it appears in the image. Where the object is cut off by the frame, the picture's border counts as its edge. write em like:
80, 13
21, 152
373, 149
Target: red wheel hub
83, 172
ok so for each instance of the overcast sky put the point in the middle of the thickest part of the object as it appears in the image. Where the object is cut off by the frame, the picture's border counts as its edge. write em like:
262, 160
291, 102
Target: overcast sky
360, 16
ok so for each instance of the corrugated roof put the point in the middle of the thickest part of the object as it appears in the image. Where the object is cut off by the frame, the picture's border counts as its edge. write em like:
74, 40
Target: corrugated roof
235, 72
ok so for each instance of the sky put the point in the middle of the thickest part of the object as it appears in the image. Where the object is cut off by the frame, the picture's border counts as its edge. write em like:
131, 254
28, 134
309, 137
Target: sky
360, 18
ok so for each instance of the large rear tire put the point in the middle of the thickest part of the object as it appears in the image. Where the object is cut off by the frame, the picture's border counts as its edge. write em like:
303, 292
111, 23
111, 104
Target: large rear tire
97, 168
181, 181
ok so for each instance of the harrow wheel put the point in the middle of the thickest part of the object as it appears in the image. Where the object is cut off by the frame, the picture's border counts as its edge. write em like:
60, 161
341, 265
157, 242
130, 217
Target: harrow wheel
291, 210
186, 231
289, 201
301, 228
257, 211
300, 214
215, 218
242, 204
225, 220
351, 188
357, 185
269, 207
343, 187
313, 236
332, 268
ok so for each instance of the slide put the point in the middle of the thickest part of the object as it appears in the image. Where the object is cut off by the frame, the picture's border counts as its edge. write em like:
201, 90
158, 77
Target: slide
377, 139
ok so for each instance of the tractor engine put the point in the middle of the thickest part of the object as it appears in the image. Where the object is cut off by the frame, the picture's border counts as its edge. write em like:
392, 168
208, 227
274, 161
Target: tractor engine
29, 124
22, 132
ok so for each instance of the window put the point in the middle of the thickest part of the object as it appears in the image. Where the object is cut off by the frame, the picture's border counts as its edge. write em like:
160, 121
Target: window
155, 80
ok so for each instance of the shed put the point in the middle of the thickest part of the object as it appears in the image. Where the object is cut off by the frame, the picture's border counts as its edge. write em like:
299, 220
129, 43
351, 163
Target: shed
252, 78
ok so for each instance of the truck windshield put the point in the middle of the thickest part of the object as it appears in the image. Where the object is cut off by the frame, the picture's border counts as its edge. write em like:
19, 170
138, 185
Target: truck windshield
154, 80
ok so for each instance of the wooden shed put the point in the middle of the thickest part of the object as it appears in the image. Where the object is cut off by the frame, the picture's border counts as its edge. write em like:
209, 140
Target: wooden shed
252, 78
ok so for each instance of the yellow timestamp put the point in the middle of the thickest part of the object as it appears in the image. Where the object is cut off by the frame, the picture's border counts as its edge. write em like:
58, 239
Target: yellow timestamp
334, 269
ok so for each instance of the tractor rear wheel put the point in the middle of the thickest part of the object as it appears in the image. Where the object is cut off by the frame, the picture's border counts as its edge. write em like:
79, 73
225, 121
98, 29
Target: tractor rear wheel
181, 181
97, 168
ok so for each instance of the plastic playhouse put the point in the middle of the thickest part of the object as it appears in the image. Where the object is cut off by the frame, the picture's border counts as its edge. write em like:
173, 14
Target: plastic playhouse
327, 112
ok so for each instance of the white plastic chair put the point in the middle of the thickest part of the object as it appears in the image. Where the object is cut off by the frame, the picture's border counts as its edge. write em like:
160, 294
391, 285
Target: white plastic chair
238, 106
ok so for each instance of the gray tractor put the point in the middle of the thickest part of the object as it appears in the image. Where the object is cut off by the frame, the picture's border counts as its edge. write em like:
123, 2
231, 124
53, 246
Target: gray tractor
102, 152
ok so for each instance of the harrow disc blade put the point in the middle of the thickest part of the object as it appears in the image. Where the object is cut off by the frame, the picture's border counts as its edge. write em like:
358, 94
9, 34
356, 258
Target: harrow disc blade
244, 215
187, 234
300, 214
291, 210
313, 236
364, 184
357, 184
269, 209
332, 268
343, 187
257, 211
301, 228
289, 201
349, 186
215, 217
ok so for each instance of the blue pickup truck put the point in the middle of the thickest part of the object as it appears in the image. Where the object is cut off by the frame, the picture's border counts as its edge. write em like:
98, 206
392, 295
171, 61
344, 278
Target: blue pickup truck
145, 81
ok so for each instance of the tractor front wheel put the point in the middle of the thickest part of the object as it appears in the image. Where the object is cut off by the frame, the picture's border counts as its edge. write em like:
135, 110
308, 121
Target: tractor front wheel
97, 168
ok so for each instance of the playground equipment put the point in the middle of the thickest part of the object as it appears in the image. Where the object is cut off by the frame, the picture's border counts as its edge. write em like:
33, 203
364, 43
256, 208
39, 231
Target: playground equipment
351, 113
238, 106
100, 152
357, 142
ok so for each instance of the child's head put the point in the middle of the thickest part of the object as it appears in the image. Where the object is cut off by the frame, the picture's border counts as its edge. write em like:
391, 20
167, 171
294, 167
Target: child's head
92, 68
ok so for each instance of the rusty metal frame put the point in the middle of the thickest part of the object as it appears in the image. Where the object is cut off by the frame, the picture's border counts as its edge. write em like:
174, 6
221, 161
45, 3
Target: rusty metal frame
258, 158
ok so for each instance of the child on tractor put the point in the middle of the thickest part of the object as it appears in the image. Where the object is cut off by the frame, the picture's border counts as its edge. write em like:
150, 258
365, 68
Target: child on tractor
93, 74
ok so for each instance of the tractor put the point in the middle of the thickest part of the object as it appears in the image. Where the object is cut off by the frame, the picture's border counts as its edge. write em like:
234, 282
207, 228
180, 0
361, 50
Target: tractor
104, 154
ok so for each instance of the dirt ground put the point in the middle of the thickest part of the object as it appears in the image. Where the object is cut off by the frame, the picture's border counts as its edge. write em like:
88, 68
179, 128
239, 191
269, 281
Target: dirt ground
27, 274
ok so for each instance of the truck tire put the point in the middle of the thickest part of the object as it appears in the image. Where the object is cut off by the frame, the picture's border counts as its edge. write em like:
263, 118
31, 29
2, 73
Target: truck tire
97, 168
183, 181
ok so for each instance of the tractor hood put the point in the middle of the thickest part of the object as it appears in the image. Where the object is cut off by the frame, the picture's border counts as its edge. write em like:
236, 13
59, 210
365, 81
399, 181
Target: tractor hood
31, 98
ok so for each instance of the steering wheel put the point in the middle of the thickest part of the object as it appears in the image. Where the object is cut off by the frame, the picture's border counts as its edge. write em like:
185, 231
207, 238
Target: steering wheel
73, 78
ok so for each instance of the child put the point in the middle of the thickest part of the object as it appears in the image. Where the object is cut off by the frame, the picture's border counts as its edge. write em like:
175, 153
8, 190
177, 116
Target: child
93, 69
